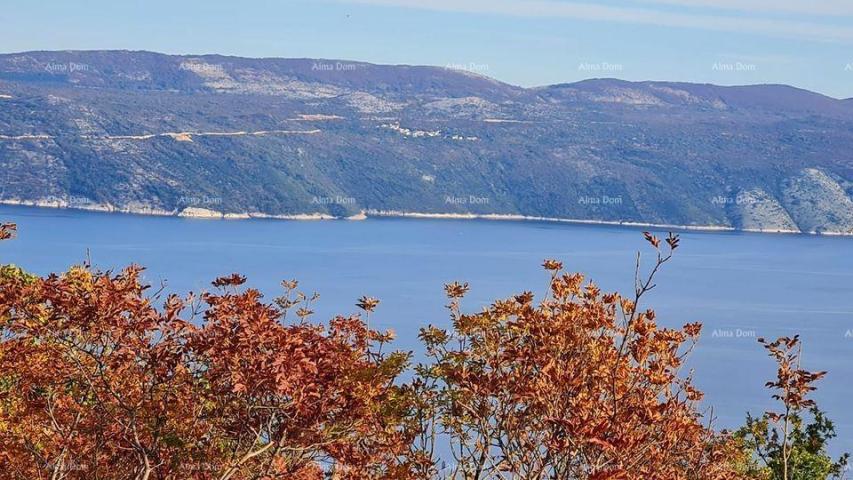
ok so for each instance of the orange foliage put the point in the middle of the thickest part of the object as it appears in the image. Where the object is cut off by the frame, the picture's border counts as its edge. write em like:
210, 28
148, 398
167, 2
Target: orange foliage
97, 382
580, 386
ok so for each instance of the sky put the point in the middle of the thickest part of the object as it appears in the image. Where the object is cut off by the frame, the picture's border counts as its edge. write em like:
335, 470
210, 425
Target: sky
804, 43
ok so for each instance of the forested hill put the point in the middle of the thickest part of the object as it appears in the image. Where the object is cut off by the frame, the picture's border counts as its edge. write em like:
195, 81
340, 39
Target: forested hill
147, 132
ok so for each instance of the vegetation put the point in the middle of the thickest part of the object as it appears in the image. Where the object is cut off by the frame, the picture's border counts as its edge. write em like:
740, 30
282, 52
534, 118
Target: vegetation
97, 382
784, 445
599, 149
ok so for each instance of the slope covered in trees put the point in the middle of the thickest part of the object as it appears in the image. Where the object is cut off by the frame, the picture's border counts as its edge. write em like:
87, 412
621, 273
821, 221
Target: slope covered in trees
154, 133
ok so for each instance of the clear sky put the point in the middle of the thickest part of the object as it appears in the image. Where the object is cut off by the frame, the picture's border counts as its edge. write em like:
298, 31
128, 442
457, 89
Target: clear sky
805, 43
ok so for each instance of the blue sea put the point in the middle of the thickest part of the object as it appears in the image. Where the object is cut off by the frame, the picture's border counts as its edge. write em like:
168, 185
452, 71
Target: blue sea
739, 285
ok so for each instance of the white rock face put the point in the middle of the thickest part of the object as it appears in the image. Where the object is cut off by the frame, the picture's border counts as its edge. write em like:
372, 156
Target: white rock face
317, 117
818, 203
252, 81
627, 96
196, 212
371, 104
757, 210
143, 209
408, 132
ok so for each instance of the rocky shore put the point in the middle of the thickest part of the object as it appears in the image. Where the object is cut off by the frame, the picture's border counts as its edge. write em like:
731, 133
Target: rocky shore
205, 213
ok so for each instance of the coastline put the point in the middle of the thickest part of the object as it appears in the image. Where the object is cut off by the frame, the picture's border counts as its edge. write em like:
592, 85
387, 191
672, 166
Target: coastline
209, 214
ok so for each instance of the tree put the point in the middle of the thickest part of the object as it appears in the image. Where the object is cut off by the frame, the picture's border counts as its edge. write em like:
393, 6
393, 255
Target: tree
92, 377
97, 383
582, 385
784, 445
287, 399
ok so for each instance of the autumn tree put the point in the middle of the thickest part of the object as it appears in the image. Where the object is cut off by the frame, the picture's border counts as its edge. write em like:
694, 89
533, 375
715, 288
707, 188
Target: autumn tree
790, 444
98, 383
581, 385
91, 375
296, 399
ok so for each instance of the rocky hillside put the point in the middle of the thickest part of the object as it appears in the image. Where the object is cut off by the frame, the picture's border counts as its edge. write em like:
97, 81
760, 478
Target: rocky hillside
204, 135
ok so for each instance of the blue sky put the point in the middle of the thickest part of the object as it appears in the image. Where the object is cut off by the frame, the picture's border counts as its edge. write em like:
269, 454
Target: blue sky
805, 43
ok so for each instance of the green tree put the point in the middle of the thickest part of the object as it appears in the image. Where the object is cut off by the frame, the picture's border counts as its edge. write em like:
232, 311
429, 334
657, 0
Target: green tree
790, 444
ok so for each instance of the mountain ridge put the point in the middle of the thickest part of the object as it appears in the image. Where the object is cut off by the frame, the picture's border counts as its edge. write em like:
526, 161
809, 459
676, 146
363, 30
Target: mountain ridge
284, 137
408, 65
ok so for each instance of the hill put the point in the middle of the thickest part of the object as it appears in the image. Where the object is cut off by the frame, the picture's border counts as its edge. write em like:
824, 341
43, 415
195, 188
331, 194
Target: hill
210, 135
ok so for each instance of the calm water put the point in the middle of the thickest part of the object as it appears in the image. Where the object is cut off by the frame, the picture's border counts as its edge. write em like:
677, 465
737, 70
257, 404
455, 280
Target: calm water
759, 285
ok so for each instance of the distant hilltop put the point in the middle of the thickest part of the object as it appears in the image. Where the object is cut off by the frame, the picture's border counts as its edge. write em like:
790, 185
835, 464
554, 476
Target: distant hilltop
147, 132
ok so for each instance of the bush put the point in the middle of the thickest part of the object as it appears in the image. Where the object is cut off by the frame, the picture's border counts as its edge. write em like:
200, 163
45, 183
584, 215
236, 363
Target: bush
782, 445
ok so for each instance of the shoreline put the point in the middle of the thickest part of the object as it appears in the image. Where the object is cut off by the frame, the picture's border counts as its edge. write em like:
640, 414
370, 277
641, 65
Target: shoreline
208, 214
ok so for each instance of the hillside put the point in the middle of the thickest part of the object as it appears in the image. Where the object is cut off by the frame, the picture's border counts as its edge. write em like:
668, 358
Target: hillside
204, 135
